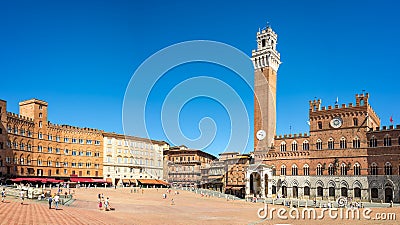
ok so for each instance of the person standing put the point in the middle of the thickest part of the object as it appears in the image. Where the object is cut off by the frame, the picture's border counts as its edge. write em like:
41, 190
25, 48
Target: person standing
100, 204
3, 195
57, 200
50, 201
107, 204
22, 196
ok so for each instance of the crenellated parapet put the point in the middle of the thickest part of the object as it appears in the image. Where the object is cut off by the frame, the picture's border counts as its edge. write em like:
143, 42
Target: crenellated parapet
73, 129
11, 115
385, 128
291, 136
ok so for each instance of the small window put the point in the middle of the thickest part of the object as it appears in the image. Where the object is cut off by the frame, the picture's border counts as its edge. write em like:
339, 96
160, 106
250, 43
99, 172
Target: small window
294, 170
374, 192
283, 147
356, 143
355, 122
319, 144
331, 170
294, 146
357, 170
306, 145
331, 144
388, 168
387, 141
357, 192
283, 170
40, 115
343, 170
319, 170
306, 170
320, 125
40, 107
343, 143
320, 191
307, 191
374, 169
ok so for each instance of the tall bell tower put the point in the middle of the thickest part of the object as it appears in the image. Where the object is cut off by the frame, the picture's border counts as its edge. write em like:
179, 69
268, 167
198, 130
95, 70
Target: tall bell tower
266, 61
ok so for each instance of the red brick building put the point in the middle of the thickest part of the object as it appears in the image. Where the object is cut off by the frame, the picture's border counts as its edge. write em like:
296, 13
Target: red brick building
345, 153
32, 146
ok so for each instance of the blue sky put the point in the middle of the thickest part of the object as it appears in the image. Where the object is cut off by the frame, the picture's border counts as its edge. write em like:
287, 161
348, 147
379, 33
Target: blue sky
80, 55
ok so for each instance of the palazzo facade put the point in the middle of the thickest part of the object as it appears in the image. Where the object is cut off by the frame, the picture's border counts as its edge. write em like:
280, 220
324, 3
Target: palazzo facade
345, 153
32, 146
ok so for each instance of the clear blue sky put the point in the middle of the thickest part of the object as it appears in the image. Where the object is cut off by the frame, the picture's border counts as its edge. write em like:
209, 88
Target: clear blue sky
80, 55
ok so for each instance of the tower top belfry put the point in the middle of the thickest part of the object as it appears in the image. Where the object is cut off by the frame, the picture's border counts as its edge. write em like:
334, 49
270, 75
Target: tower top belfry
266, 54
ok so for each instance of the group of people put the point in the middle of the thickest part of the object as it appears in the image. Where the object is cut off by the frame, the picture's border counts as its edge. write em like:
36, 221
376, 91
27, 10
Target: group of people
54, 198
105, 202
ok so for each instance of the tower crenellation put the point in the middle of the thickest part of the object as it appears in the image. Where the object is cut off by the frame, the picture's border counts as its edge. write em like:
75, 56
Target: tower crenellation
266, 54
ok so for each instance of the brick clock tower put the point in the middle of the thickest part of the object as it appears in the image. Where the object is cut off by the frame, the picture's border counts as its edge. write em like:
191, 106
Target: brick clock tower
266, 61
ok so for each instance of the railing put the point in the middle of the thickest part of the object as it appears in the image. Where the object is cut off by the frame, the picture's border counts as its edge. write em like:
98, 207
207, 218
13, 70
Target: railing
209, 193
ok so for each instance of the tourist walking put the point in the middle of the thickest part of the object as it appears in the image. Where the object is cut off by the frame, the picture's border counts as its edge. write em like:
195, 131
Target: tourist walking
57, 200
50, 199
22, 196
3, 195
100, 204
107, 204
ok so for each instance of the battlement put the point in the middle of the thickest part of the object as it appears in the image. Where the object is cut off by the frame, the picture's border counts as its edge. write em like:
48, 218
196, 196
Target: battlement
269, 30
69, 127
385, 128
291, 136
19, 117
361, 100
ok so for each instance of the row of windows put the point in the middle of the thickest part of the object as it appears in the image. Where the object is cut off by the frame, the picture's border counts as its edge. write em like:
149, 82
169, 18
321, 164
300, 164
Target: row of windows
135, 161
40, 162
387, 141
332, 170
319, 144
49, 149
124, 170
67, 140
57, 172
21, 131
183, 158
132, 152
331, 191
134, 144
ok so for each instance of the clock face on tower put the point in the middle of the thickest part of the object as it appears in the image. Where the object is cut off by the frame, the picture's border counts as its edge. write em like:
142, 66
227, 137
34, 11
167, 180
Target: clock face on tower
336, 122
261, 134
